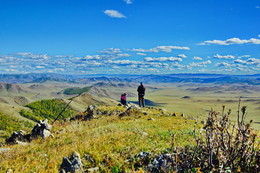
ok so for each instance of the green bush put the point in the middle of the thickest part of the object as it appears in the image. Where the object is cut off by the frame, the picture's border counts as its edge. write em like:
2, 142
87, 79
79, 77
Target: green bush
47, 109
10, 124
72, 91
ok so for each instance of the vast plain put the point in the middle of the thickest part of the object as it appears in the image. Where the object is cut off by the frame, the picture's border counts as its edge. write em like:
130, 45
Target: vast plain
175, 112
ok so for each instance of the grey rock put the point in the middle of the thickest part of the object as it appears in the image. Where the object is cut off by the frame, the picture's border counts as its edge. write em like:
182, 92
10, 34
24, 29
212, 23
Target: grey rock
42, 129
9, 171
151, 119
46, 133
72, 164
93, 170
91, 112
163, 162
145, 113
3, 150
143, 154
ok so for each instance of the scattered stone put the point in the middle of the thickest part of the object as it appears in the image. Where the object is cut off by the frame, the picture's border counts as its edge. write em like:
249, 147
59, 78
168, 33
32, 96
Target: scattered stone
72, 164
93, 170
160, 163
2, 150
151, 119
21, 143
18, 136
9, 171
174, 115
143, 154
145, 113
182, 115
144, 134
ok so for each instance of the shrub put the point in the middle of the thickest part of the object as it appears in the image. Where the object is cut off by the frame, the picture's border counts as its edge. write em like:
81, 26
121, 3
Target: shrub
9, 124
76, 90
225, 147
47, 109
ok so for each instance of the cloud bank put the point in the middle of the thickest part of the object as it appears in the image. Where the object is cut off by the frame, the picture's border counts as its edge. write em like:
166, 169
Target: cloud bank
231, 41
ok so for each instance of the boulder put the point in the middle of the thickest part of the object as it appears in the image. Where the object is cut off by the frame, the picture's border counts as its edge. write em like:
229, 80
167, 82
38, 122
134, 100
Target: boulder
91, 112
41, 129
17, 137
72, 164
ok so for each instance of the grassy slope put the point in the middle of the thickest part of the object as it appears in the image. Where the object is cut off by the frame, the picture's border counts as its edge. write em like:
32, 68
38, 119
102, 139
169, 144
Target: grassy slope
109, 141
10, 124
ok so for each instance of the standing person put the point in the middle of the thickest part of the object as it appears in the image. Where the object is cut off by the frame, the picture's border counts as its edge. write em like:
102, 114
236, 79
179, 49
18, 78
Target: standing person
141, 93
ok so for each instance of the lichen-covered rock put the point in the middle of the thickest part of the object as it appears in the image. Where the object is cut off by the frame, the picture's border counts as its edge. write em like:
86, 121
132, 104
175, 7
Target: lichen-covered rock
161, 163
72, 164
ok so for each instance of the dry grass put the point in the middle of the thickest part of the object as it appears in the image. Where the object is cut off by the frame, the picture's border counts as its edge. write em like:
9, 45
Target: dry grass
108, 141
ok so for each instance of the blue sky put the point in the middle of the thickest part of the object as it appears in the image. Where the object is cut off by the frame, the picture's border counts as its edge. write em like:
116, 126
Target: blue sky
130, 36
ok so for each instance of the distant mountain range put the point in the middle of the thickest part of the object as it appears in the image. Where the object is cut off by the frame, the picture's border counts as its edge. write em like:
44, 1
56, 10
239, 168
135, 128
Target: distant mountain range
163, 78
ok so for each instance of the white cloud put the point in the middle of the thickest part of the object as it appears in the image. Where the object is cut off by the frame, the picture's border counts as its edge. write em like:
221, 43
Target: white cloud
10, 70
182, 56
92, 57
114, 14
224, 57
142, 54
231, 41
244, 56
111, 51
39, 67
34, 56
222, 64
250, 61
162, 59
253, 61
257, 7
200, 64
128, 1
197, 58
162, 49
239, 61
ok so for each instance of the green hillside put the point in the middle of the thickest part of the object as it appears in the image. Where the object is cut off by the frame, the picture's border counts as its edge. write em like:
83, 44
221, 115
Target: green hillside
75, 90
10, 124
47, 109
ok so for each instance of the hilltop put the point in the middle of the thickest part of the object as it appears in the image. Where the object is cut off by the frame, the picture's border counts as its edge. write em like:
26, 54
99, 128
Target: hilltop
118, 139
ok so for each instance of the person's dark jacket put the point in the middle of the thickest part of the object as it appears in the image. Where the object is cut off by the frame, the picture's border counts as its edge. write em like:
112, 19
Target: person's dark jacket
141, 90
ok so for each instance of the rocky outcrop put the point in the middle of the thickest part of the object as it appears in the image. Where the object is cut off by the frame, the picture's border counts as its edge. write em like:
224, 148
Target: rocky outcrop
41, 129
72, 164
18, 137
129, 111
